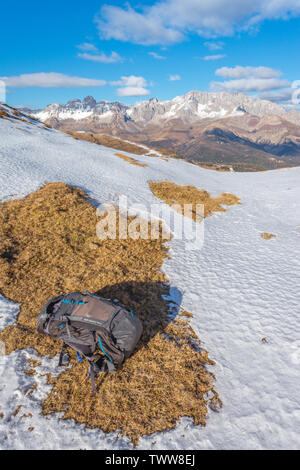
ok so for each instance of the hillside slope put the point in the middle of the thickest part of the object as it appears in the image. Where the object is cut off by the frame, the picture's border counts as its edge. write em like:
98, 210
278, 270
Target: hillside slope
224, 128
242, 289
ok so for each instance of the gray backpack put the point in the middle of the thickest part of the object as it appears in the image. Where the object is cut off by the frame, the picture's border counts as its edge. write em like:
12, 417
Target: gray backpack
100, 330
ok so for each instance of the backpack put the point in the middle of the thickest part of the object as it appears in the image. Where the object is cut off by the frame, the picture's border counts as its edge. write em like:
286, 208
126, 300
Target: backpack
91, 325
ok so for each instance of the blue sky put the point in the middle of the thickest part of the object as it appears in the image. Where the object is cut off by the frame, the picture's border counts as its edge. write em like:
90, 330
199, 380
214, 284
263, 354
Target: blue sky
59, 50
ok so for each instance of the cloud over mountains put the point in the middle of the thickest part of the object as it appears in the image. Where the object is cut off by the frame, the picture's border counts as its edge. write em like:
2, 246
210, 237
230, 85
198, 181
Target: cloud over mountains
249, 79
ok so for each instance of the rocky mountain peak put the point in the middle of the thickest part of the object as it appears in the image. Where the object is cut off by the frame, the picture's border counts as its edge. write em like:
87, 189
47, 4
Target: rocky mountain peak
189, 108
89, 101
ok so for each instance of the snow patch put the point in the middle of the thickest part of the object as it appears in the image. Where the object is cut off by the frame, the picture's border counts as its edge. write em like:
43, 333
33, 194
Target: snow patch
239, 288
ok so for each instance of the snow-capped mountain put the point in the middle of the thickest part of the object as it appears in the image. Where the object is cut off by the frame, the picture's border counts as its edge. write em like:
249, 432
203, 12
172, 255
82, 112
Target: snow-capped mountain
189, 108
195, 106
77, 110
209, 127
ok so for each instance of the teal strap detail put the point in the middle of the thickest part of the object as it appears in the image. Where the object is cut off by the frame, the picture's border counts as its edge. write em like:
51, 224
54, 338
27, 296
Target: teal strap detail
103, 350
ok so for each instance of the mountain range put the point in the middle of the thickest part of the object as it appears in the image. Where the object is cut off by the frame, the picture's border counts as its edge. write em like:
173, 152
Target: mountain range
204, 127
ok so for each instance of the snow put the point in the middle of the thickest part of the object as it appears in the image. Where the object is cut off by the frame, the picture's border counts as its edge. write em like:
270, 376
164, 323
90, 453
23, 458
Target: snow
239, 287
107, 114
76, 115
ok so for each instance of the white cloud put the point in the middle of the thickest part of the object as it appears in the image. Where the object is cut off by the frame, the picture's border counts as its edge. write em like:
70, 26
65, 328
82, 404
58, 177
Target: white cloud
131, 80
251, 84
246, 72
282, 96
169, 21
133, 91
214, 46
114, 57
50, 80
249, 79
86, 46
131, 86
129, 25
174, 78
286, 98
214, 57
157, 56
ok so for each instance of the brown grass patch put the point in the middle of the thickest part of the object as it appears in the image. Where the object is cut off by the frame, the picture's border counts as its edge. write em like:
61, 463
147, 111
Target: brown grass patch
45, 249
15, 114
33, 363
30, 372
3, 114
154, 155
17, 410
164, 154
28, 415
267, 236
172, 193
212, 166
108, 141
119, 144
167, 152
130, 160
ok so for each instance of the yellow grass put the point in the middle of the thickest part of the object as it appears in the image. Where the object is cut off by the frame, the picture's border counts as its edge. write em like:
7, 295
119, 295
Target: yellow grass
48, 246
130, 160
119, 144
15, 114
108, 141
154, 155
3, 114
172, 193
212, 166
267, 236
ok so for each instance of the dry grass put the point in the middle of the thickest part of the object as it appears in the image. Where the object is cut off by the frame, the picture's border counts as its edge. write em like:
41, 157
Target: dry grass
14, 114
211, 166
17, 410
167, 152
172, 193
28, 415
164, 153
48, 246
154, 155
130, 160
267, 236
108, 141
3, 114
119, 144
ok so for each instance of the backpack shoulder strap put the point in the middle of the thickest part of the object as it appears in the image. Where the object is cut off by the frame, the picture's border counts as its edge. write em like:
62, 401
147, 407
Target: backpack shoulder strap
111, 367
61, 356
